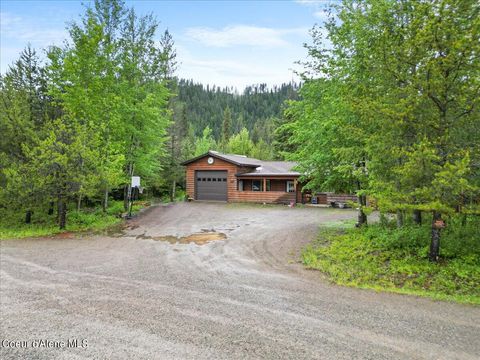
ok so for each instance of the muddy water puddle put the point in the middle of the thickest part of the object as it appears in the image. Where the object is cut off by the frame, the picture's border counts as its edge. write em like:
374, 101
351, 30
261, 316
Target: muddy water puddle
201, 238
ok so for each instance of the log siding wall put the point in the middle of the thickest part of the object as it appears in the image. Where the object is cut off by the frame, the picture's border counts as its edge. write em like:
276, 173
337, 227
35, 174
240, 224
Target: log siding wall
202, 164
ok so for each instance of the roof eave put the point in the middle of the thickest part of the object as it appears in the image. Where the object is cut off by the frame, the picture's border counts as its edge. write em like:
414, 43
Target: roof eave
212, 154
267, 174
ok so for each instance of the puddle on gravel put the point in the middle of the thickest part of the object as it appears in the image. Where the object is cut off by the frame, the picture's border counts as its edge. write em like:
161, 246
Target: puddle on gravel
201, 238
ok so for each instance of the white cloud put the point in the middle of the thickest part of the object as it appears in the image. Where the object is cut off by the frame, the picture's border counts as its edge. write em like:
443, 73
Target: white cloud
17, 31
243, 35
312, 2
234, 70
321, 15
316, 2
16, 27
8, 20
320, 7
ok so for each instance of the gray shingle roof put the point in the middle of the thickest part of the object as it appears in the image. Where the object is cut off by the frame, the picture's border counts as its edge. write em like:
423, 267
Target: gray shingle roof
238, 159
272, 168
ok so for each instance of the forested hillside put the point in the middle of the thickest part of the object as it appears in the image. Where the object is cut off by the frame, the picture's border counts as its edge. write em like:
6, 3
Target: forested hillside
255, 106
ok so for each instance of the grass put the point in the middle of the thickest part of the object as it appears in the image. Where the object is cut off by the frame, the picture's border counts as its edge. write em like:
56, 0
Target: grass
12, 225
385, 258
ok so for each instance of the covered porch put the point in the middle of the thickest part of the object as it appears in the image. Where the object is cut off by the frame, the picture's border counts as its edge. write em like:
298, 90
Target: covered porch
268, 189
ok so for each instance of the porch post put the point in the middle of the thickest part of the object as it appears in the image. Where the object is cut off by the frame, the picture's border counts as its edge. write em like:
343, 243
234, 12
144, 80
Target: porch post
264, 184
295, 187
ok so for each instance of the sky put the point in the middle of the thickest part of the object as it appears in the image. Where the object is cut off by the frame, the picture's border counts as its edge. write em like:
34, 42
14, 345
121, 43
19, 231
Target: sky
223, 43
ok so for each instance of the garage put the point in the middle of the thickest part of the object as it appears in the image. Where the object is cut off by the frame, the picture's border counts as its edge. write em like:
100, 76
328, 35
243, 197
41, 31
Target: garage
211, 185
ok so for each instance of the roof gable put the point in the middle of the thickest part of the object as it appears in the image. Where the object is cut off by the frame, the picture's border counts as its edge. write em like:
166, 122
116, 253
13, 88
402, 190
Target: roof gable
239, 160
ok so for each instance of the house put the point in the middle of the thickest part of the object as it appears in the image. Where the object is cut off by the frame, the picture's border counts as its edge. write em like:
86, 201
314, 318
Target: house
237, 178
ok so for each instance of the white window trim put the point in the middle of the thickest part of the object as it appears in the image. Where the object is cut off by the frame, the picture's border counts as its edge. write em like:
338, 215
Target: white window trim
290, 186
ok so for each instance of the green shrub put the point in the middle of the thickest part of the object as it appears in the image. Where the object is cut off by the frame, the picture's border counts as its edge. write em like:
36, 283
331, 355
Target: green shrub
115, 208
395, 259
12, 223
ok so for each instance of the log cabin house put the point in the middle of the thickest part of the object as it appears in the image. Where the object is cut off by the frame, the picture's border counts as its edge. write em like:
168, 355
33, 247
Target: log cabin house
236, 178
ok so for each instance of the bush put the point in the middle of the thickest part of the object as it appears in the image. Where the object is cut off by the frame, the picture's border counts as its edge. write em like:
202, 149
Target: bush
115, 208
396, 259
12, 223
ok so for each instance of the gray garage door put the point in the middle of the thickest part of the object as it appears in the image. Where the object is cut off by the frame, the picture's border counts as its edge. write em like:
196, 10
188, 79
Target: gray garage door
211, 185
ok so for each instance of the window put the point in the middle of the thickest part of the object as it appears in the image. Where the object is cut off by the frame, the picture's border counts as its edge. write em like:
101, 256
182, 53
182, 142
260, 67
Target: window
204, 179
224, 179
214, 179
257, 185
267, 185
199, 179
240, 185
209, 179
290, 186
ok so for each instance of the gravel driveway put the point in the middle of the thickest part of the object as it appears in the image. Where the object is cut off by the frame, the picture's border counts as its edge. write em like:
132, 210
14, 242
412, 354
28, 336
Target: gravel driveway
140, 295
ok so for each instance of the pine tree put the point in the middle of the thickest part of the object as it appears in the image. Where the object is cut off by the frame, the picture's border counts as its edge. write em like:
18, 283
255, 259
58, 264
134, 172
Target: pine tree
24, 107
226, 126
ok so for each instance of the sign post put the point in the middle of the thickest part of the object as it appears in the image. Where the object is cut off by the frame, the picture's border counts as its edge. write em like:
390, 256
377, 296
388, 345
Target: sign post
135, 183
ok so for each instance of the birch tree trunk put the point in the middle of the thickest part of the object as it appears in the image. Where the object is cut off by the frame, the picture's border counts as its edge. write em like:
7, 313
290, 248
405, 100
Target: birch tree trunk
362, 217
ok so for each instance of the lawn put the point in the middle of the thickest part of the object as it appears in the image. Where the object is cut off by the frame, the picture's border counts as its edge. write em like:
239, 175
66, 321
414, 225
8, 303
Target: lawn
385, 258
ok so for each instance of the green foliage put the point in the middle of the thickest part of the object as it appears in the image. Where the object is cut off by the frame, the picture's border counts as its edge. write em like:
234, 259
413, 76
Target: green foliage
261, 150
205, 143
23, 112
284, 143
226, 125
396, 259
240, 143
330, 145
392, 109
94, 115
89, 219
255, 106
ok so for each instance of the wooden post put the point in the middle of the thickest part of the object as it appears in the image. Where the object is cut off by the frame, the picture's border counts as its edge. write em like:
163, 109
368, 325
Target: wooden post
264, 184
295, 188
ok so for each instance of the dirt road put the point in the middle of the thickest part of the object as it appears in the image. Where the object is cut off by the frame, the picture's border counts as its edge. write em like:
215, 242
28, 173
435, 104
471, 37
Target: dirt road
203, 280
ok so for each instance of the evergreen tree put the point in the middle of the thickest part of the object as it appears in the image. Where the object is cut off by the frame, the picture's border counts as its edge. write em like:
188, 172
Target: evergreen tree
168, 56
24, 107
261, 150
226, 125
